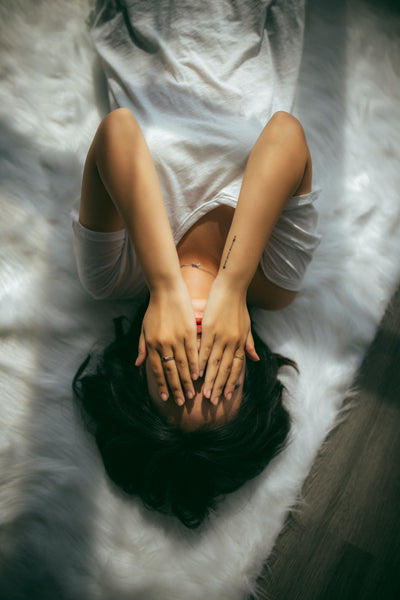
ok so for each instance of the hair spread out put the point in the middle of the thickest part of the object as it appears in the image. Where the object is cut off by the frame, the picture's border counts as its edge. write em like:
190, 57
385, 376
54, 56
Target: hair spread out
174, 471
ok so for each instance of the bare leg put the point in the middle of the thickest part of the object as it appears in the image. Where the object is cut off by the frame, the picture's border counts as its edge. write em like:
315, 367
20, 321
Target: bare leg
286, 130
118, 154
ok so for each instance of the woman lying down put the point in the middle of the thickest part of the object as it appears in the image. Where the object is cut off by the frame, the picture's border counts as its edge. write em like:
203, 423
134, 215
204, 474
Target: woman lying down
186, 404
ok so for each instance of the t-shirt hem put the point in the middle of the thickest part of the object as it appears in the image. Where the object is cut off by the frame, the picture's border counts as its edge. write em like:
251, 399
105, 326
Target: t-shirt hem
201, 211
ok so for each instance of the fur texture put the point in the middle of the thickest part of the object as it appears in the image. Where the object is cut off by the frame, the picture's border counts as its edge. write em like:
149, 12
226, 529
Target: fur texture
65, 531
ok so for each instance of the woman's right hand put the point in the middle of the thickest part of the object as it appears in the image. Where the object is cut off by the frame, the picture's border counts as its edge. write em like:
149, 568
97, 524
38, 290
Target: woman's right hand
169, 330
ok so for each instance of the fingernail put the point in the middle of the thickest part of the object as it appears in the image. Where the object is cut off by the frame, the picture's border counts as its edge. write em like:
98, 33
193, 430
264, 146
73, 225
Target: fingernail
164, 397
207, 393
215, 400
201, 373
179, 401
195, 376
228, 396
189, 394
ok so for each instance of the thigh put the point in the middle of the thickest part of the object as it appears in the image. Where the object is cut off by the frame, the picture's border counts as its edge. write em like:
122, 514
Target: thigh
262, 293
97, 211
287, 254
107, 265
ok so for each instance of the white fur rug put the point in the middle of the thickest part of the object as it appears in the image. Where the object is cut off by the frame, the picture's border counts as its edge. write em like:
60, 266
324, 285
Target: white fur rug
65, 533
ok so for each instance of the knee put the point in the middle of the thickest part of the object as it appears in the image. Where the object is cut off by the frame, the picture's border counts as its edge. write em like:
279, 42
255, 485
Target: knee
286, 127
282, 119
119, 116
119, 122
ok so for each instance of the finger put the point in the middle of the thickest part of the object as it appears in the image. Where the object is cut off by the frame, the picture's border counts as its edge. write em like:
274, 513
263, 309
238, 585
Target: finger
192, 357
142, 350
228, 374
213, 366
237, 366
206, 345
184, 374
171, 375
250, 348
158, 371
223, 374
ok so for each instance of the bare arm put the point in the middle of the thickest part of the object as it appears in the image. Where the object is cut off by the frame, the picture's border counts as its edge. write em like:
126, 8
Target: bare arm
121, 161
127, 171
276, 170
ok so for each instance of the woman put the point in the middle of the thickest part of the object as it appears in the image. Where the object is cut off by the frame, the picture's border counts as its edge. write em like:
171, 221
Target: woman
200, 426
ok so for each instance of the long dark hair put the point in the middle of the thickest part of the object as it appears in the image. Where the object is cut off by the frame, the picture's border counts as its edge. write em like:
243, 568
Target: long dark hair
174, 471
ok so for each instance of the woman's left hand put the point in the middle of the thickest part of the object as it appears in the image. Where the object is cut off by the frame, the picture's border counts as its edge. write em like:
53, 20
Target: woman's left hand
226, 336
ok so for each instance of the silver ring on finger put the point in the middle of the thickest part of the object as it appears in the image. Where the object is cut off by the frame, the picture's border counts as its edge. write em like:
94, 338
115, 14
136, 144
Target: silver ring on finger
167, 358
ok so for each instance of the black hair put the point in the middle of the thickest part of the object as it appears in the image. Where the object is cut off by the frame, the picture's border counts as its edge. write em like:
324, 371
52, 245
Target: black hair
178, 472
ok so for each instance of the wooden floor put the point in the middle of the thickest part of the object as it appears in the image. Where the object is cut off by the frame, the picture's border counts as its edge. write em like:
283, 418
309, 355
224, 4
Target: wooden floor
344, 543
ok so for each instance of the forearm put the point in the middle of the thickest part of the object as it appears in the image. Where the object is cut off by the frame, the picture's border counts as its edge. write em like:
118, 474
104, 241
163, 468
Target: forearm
147, 223
128, 173
274, 171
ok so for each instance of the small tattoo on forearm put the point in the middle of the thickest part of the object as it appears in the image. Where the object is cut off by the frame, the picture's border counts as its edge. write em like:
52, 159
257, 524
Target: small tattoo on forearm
229, 251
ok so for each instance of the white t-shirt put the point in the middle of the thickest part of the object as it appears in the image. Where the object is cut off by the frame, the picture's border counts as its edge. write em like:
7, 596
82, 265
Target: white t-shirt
202, 77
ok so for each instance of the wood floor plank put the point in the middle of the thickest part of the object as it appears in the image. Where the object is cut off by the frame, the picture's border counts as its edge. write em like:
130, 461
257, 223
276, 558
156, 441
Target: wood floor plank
343, 541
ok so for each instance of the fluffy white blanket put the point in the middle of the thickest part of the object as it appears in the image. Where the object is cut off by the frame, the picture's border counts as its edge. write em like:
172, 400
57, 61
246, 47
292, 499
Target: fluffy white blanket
65, 532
